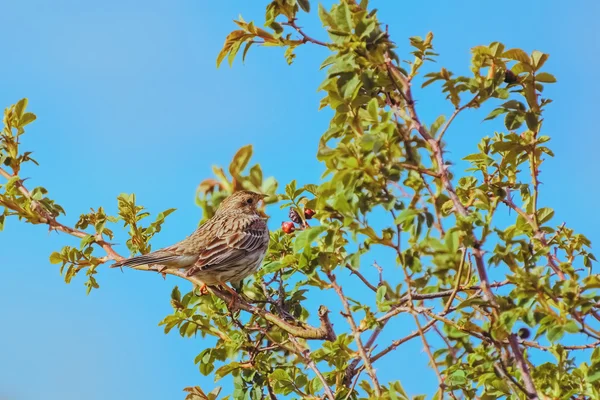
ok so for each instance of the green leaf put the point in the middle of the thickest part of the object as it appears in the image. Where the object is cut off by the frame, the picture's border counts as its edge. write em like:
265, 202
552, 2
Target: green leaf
246, 48
514, 105
571, 327
593, 376
342, 17
380, 296
307, 236
26, 119
55, 258
539, 59
452, 240
373, 108
531, 120
304, 5
176, 294
280, 375
324, 16
437, 124
545, 77
240, 160
544, 215
517, 55
226, 370
513, 120
405, 215
555, 333
495, 113
272, 267
457, 378
20, 107
351, 87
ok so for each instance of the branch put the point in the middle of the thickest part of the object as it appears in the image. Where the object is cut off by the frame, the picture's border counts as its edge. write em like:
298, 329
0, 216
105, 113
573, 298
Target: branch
356, 333
397, 309
454, 114
305, 354
361, 277
419, 169
395, 75
405, 88
47, 218
522, 364
405, 339
324, 332
537, 233
503, 372
305, 38
457, 283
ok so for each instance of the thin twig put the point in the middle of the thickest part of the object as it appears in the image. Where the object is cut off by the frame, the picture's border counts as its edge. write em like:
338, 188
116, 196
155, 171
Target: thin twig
522, 364
457, 283
361, 277
537, 232
419, 169
454, 115
46, 218
324, 332
405, 339
305, 38
404, 87
397, 309
305, 354
360, 370
356, 333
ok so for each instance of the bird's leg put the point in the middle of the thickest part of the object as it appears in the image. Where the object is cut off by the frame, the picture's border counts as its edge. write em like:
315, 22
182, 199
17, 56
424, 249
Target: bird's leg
203, 289
234, 295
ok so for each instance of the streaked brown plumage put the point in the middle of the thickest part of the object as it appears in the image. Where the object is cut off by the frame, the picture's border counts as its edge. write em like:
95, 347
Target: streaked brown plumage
227, 248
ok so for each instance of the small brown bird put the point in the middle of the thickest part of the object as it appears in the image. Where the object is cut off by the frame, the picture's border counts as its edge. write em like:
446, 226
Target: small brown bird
227, 248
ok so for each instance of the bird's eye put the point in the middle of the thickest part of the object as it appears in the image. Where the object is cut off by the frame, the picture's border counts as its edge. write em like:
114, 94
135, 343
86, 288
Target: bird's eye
250, 200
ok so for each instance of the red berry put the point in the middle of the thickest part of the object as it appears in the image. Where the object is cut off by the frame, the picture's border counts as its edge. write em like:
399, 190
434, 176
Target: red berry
309, 213
288, 227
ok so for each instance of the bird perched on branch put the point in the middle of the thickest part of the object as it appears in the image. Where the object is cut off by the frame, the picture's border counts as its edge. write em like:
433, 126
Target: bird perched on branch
227, 248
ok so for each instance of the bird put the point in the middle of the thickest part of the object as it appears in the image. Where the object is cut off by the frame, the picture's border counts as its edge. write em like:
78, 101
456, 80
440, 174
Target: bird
228, 247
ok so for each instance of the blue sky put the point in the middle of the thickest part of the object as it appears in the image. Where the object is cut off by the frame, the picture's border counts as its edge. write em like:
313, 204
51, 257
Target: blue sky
129, 99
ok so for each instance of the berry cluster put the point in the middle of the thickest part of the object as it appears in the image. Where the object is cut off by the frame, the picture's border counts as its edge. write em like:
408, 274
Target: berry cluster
289, 226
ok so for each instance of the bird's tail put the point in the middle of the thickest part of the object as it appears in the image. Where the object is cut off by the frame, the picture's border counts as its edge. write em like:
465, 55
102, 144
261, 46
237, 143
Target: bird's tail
146, 259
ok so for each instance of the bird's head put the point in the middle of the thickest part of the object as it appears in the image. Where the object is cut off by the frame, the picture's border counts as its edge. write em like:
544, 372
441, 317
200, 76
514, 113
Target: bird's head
242, 201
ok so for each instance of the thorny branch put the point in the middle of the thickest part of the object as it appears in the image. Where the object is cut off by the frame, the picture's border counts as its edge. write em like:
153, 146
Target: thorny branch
538, 233
356, 333
305, 38
46, 218
324, 332
403, 84
305, 354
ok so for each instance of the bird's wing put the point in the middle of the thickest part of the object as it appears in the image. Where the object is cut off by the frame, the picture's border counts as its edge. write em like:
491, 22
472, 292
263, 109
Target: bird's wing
161, 257
233, 240
179, 255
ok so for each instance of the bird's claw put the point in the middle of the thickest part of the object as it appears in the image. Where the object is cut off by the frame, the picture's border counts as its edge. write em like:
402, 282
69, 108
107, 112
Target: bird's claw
202, 290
